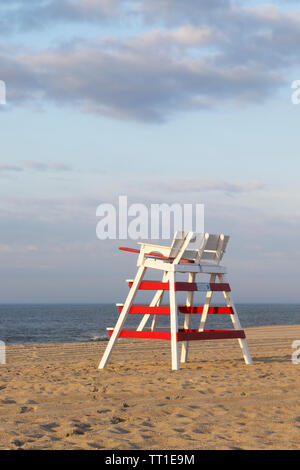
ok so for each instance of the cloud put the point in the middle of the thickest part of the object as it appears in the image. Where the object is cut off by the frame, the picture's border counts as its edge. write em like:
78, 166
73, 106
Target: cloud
39, 166
174, 12
201, 185
35, 166
36, 14
189, 57
5, 167
134, 82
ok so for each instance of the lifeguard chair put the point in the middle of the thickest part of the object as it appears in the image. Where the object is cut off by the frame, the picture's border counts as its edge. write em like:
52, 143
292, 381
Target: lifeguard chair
192, 254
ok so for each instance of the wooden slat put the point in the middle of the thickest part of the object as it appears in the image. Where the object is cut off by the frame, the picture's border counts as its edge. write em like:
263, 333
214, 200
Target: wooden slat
152, 285
202, 286
185, 286
146, 310
194, 335
211, 310
165, 310
144, 334
183, 335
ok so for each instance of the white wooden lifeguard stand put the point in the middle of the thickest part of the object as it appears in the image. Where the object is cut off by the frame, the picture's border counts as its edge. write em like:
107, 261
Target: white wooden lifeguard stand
193, 254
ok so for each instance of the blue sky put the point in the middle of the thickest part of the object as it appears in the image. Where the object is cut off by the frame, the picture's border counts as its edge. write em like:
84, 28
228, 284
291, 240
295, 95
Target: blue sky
163, 104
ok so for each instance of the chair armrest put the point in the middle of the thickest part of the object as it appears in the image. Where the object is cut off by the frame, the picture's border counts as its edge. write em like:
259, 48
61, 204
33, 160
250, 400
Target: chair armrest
131, 250
152, 245
148, 248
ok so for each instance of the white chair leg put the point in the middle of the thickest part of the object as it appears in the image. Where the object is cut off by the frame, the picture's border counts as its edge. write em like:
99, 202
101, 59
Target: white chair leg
174, 323
206, 305
237, 325
187, 320
160, 295
122, 317
154, 302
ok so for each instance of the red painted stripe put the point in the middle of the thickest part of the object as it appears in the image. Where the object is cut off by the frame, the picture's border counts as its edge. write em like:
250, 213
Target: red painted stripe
211, 310
220, 287
183, 335
194, 335
146, 310
152, 285
165, 310
192, 286
143, 334
131, 250
181, 286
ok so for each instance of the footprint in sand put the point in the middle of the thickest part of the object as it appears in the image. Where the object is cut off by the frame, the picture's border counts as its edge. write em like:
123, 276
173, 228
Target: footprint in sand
147, 423
36, 436
121, 430
297, 419
31, 402
17, 443
95, 445
117, 420
81, 428
201, 429
26, 409
50, 427
106, 410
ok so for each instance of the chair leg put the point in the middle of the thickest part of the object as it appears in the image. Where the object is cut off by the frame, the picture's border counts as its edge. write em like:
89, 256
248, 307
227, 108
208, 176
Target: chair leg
119, 325
154, 302
160, 296
237, 325
174, 323
187, 320
206, 304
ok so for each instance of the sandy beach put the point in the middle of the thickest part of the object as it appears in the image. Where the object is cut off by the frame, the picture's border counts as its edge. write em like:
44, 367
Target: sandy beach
54, 397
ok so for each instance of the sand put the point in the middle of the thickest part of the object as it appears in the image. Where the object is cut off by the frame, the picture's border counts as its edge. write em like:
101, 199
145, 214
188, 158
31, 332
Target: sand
54, 397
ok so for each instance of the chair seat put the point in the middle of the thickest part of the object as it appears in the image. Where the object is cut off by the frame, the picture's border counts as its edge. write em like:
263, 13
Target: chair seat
200, 268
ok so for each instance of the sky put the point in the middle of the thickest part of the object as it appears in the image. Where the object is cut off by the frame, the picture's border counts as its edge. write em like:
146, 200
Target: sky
163, 101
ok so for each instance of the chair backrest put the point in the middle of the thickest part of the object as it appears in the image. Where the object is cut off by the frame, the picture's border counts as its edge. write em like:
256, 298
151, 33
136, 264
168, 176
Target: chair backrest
202, 248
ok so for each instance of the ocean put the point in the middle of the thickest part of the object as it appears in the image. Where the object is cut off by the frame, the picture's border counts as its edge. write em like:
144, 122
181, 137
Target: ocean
64, 323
